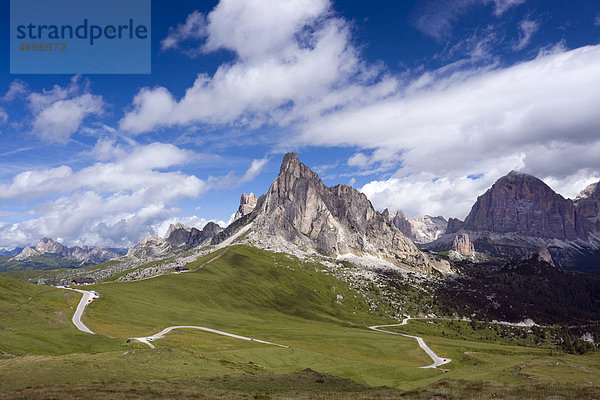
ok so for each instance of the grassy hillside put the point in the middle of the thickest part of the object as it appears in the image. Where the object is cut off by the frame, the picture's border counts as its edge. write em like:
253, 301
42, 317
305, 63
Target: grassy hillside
37, 263
267, 296
36, 320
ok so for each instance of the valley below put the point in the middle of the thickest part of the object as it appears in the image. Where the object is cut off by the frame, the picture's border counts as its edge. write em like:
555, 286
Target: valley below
301, 304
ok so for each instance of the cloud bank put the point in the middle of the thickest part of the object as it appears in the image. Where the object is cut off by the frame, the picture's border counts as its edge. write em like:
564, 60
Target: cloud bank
109, 203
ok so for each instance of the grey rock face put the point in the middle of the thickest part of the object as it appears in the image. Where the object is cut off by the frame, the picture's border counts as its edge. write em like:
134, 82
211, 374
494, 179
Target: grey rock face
419, 230
247, 204
428, 228
544, 255
523, 204
47, 245
210, 230
519, 215
299, 209
26, 253
149, 248
587, 204
463, 245
454, 225
399, 221
180, 235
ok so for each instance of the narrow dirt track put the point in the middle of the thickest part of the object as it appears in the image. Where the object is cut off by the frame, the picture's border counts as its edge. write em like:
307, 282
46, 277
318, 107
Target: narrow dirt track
221, 254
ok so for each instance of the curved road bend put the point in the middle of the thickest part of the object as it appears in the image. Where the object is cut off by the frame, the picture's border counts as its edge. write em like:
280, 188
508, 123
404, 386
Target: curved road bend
86, 299
437, 361
148, 339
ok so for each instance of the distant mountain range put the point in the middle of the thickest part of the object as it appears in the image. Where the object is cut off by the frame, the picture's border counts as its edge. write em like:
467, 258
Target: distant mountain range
49, 254
178, 236
10, 252
82, 255
517, 217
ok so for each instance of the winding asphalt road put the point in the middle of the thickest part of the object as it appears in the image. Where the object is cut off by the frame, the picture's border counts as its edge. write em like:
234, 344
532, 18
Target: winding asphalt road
86, 299
437, 361
148, 339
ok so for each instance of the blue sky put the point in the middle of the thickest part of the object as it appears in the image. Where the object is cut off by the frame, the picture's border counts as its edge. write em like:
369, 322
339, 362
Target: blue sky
420, 104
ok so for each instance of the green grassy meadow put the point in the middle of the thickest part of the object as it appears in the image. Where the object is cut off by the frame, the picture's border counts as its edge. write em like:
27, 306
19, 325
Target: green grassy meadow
266, 296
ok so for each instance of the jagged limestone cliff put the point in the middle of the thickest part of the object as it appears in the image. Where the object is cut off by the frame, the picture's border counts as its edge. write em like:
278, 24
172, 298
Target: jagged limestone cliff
300, 213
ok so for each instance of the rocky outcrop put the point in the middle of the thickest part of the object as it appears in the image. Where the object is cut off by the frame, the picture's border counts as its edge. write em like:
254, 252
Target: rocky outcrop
179, 235
299, 212
26, 253
47, 245
523, 204
427, 229
419, 230
399, 221
544, 255
247, 204
149, 248
463, 245
587, 204
210, 230
82, 255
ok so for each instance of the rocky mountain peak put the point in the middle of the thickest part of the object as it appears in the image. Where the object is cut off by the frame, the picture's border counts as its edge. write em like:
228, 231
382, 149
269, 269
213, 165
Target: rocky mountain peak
521, 203
290, 162
180, 235
149, 247
300, 213
52, 248
177, 226
27, 252
47, 245
211, 229
587, 204
247, 204
591, 191
292, 169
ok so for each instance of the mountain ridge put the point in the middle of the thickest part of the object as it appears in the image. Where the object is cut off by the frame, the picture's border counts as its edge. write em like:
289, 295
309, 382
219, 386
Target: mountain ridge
84, 255
520, 215
300, 214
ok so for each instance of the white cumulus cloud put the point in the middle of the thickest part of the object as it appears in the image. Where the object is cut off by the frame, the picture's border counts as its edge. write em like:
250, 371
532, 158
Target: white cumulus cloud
255, 168
17, 89
58, 113
193, 28
116, 202
291, 60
